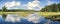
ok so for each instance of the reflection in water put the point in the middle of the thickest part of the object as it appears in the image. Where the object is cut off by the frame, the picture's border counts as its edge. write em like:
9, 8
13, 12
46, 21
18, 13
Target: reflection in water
48, 22
12, 18
30, 19
35, 18
0, 16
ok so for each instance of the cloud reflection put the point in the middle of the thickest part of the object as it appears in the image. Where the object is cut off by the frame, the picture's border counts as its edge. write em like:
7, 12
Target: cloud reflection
12, 18
35, 18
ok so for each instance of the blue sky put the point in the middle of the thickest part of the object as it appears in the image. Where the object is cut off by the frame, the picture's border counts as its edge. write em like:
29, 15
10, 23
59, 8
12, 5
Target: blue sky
26, 4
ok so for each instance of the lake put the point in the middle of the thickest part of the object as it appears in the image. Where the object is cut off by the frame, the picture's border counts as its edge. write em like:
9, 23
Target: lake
30, 19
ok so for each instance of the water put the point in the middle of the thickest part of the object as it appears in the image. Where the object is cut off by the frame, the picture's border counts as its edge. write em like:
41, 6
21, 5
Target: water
30, 19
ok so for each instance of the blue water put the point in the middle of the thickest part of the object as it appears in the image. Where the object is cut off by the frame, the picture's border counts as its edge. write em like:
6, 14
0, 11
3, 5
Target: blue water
25, 21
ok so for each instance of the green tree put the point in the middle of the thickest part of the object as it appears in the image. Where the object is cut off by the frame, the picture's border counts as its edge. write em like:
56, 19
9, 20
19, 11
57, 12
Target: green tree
58, 6
4, 8
51, 8
54, 7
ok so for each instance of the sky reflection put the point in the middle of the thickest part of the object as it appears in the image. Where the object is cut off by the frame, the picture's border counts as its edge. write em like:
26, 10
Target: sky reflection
31, 19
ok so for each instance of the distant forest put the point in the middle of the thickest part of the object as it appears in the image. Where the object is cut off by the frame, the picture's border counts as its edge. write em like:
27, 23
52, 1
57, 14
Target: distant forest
51, 8
4, 9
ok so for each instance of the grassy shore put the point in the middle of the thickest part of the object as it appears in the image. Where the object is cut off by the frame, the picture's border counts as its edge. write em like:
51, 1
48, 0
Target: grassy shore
47, 14
24, 14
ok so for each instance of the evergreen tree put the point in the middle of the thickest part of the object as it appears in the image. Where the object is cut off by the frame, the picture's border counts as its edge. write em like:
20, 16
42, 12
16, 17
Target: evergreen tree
51, 8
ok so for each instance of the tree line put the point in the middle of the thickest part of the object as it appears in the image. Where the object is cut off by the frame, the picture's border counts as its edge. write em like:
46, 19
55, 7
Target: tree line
51, 8
4, 9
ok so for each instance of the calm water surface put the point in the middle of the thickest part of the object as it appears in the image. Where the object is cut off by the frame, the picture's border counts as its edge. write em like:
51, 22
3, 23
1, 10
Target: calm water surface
30, 19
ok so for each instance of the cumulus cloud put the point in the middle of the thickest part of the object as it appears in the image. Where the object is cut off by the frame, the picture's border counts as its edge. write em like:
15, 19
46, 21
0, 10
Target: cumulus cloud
33, 5
50, 2
12, 4
12, 18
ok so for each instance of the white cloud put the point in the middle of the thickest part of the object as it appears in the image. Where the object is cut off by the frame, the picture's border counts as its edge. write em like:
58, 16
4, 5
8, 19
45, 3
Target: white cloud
12, 18
12, 4
33, 5
50, 2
